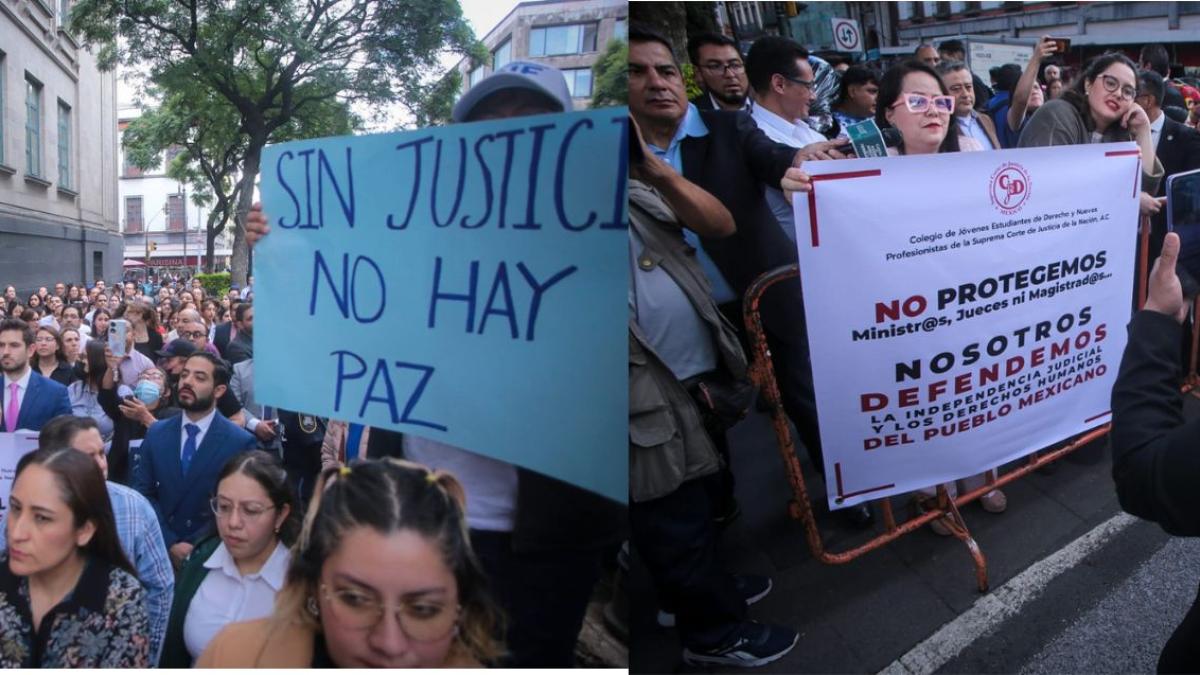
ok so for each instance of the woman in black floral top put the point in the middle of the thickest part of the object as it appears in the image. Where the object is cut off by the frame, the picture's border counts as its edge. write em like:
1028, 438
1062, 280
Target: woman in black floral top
68, 595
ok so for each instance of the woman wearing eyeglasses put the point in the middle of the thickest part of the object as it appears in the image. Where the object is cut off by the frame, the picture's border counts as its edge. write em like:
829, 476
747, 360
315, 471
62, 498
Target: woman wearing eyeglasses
1098, 107
235, 577
383, 577
915, 101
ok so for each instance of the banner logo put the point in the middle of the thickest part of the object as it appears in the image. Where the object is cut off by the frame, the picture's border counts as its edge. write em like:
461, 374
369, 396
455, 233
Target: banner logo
1010, 188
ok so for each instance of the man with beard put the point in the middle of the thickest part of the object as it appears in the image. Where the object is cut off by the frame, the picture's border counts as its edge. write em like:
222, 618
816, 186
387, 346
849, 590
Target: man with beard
722, 71
28, 400
241, 348
177, 464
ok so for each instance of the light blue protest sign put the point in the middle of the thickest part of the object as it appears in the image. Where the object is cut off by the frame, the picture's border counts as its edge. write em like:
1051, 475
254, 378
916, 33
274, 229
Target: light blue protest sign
468, 284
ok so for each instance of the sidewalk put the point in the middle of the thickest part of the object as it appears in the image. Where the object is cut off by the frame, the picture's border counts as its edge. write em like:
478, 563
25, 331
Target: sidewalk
861, 616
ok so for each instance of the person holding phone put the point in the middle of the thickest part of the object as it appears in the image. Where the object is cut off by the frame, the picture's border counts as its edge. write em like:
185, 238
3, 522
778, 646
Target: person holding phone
1154, 457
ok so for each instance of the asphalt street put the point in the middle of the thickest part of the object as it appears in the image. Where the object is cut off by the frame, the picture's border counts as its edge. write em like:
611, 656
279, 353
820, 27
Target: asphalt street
1076, 585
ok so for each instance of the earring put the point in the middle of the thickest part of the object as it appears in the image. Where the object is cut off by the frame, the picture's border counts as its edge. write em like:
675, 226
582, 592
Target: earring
312, 607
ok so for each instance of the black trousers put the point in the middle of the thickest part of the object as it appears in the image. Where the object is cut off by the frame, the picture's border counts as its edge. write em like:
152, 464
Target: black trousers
676, 538
782, 311
544, 596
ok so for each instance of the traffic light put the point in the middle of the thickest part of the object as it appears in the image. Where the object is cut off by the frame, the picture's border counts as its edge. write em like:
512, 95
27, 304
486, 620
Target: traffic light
154, 246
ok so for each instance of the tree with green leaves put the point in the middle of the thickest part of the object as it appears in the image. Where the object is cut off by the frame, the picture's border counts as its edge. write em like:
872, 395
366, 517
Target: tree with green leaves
277, 69
611, 73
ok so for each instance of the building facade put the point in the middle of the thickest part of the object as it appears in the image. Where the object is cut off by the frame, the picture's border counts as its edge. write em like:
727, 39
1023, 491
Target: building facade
58, 153
567, 34
163, 228
1092, 26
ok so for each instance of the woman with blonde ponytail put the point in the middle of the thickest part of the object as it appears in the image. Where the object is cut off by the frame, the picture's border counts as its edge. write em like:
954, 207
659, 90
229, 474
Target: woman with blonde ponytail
383, 576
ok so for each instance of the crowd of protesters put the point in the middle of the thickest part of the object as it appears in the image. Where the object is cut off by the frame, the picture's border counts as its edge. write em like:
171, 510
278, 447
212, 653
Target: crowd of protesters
168, 518
710, 211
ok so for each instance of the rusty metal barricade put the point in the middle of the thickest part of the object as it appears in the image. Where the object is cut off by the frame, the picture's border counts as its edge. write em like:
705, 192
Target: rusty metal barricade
941, 505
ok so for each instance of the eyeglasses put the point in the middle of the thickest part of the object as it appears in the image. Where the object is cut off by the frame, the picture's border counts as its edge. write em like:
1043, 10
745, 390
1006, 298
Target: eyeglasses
919, 103
421, 620
225, 508
718, 68
192, 335
1112, 84
807, 84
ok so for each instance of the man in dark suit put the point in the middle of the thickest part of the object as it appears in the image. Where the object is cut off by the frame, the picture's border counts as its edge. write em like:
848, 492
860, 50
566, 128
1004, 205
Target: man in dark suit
28, 400
1177, 146
177, 465
721, 71
241, 347
728, 156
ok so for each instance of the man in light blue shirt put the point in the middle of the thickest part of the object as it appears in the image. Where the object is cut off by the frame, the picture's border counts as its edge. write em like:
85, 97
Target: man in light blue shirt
137, 525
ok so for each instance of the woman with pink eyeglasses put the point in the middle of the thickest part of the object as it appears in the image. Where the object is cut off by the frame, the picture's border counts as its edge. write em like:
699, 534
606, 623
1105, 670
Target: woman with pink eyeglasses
914, 101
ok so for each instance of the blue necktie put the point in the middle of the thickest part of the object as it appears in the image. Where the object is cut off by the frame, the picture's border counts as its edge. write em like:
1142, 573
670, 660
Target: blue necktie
189, 446
353, 438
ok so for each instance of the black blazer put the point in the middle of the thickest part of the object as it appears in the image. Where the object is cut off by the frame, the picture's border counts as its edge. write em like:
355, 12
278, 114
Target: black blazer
1155, 464
221, 337
1179, 150
734, 163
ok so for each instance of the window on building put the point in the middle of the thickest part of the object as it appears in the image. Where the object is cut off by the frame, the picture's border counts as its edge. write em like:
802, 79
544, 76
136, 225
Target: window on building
97, 265
475, 76
33, 126
176, 218
579, 82
64, 146
128, 170
502, 55
64, 14
621, 29
133, 214
569, 39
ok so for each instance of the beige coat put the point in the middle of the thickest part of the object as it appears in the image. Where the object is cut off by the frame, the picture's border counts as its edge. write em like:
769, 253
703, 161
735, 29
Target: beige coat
333, 449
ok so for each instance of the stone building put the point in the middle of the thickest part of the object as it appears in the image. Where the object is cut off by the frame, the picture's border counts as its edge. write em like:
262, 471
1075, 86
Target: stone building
58, 153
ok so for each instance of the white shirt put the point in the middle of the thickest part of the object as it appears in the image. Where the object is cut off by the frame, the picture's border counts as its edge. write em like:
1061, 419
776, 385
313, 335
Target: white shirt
491, 484
22, 387
225, 596
795, 134
1156, 128
204, 423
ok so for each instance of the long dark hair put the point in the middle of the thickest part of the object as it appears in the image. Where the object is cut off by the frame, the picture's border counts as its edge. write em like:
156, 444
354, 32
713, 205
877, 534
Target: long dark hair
891, 85
1075, 92
97, 365
81, 486
390, 495
267, 470
95, 315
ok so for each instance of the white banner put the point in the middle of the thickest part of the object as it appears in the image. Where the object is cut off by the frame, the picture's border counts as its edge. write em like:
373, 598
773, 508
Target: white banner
13, 446
963, 309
